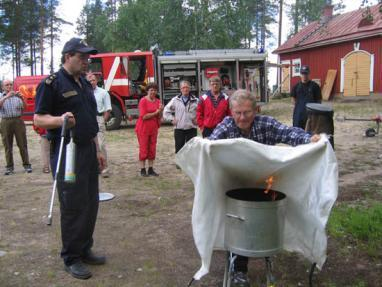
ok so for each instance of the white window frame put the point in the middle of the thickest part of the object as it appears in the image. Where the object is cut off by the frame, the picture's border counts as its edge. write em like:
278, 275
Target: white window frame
295, 70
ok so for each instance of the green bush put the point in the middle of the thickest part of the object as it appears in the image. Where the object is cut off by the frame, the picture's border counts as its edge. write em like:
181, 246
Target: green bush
360, 224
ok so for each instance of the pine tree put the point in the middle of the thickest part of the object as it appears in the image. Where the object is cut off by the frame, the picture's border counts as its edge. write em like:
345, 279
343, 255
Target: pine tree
94, 24
54, 28
303, 12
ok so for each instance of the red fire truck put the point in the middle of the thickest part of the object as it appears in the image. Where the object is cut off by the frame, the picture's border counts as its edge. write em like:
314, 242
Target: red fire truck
27, 85
124, 75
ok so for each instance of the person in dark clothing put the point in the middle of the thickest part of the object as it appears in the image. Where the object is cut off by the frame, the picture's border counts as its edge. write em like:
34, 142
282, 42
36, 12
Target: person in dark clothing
67, 93
304, 92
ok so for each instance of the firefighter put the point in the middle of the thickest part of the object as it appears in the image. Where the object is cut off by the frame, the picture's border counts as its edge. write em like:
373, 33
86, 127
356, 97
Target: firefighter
67, 93
212, 108
304, 92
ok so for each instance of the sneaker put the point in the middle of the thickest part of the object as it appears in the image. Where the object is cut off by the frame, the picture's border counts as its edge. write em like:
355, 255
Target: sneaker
28, 168
8, 171
240, 279
143, 172
152, 172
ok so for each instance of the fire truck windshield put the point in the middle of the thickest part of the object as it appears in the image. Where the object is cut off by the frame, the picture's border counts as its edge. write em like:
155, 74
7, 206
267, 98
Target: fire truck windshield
96, 66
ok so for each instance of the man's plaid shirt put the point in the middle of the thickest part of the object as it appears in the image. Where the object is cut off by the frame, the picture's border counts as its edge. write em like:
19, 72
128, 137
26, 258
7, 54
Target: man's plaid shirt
265, 130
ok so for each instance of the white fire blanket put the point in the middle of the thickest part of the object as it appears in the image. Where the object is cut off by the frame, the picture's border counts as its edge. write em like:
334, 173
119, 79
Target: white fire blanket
307, 174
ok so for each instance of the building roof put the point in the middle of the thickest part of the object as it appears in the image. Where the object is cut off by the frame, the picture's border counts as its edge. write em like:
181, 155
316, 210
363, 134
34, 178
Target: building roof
339, 28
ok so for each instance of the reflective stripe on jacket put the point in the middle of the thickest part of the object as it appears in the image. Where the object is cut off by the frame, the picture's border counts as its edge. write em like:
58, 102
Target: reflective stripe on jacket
207, 115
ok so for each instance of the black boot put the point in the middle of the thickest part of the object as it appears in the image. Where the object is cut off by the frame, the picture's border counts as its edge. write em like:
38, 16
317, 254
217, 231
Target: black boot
151, 172
78, 270
143, 172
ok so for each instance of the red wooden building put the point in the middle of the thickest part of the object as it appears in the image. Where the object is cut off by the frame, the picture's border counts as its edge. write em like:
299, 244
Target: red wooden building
349, 43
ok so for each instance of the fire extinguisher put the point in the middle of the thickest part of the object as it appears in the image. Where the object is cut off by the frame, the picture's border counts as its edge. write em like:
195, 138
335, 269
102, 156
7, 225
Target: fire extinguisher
70, 161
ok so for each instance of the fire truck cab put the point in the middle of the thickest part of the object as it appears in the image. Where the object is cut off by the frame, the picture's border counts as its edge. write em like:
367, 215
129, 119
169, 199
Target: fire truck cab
124, 76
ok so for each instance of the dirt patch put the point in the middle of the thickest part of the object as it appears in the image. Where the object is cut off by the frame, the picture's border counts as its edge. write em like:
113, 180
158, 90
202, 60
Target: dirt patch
146, 230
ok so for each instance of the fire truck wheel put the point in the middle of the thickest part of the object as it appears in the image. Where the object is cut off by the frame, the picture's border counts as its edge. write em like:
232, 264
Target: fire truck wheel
115, 118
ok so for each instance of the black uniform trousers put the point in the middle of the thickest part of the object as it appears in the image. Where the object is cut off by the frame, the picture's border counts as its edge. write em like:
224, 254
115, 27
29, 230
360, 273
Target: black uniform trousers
78, 201
183, 136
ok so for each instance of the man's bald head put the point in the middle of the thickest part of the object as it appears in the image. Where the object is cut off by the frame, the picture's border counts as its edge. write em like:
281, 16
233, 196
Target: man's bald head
7, 85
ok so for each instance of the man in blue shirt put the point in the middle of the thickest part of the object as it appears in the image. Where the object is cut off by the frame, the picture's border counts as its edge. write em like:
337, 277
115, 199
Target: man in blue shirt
263, 129
67, 93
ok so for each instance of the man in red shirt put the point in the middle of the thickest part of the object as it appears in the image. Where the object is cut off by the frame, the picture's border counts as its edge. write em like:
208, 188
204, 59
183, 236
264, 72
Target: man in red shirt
212, 108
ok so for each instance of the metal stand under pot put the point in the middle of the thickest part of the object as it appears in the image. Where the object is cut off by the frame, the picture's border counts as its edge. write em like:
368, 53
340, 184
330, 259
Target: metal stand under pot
254, 227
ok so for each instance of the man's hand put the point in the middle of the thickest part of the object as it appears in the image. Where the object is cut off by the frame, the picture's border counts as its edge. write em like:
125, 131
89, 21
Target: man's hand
315, 138
106, 116
71, 120
10, 94
174, 121
101, 160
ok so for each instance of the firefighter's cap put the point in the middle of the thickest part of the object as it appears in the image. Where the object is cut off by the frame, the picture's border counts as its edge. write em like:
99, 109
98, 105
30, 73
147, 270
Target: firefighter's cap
78, 45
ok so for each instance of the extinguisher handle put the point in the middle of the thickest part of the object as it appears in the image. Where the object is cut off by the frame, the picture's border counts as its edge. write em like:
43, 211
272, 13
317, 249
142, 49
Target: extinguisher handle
64, 124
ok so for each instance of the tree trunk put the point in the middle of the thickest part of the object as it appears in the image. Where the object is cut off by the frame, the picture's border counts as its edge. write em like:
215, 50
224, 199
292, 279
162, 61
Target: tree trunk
31, 58
296, 17
34, 58
280, 21
51, 37
279, 41
42, 34
13, 61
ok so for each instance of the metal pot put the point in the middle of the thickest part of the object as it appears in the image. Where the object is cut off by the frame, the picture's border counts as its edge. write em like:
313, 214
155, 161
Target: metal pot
254, 223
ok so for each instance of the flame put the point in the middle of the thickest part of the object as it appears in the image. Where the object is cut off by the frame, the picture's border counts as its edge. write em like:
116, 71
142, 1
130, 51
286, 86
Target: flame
269, 182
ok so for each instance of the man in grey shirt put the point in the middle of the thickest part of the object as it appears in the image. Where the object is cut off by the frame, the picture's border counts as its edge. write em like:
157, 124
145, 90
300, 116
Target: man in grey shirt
12, 105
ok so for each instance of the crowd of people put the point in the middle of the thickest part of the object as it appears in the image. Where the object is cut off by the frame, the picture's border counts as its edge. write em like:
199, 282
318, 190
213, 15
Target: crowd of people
71, 94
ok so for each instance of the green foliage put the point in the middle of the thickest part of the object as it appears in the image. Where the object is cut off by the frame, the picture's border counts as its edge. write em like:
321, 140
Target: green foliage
303, 12
360, 224
24, 25
177, 25
93, 24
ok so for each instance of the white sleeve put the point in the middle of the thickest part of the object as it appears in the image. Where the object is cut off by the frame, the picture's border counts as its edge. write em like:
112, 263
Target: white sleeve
107, 101
168, 110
